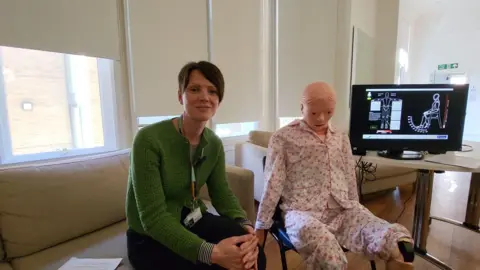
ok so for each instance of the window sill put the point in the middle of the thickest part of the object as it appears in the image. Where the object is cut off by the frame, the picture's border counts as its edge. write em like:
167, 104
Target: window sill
54, 156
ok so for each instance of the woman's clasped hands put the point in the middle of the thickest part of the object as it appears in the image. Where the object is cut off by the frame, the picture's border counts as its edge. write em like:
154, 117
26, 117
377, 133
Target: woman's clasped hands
238, 252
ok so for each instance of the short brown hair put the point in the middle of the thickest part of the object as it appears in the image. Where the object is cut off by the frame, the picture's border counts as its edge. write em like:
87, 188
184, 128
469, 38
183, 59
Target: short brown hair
209, 70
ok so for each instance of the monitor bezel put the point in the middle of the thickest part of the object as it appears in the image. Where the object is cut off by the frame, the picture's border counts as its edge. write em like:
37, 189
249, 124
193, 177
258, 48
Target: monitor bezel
453, 143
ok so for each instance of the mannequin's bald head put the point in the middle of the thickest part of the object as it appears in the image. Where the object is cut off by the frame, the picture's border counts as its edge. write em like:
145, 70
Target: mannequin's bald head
318, 105
318, 91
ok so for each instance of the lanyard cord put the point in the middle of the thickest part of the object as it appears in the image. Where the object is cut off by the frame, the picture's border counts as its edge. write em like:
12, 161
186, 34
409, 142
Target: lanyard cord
192, 177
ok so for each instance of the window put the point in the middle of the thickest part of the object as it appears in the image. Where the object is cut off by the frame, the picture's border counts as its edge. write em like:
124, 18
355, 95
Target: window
148, 120
222, 130
54, 105
287, 120
403, 59
235, 129
403, 65
458, 79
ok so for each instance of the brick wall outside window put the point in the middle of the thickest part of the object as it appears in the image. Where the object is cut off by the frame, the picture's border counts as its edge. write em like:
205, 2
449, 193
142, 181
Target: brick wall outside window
40, 78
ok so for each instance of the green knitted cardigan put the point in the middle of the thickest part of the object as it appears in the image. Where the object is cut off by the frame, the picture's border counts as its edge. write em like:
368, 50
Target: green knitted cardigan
159, 186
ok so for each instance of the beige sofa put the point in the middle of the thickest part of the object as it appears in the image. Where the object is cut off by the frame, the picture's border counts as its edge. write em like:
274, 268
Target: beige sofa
250, 155
52, 211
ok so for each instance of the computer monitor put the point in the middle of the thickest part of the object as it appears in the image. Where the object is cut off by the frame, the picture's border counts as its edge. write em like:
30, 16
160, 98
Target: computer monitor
400, 121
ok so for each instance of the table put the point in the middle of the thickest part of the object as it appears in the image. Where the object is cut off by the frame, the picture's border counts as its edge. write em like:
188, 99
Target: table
424, 184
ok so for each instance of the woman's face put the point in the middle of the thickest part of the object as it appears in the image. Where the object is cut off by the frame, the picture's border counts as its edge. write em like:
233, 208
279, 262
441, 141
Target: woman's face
200, 99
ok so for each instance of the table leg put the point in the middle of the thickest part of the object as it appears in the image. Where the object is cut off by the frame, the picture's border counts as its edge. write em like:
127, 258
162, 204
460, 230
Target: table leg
472, 215
422, 208
421, 217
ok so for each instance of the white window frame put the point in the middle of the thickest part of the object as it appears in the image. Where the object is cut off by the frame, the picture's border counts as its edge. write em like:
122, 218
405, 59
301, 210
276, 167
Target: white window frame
106, 82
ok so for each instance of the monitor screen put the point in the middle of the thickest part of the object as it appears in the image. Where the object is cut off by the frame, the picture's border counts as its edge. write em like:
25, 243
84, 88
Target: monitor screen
408, 117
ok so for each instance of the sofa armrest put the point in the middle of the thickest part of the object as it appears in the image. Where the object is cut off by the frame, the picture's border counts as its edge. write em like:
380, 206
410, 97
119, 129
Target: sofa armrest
241, 183
250, 156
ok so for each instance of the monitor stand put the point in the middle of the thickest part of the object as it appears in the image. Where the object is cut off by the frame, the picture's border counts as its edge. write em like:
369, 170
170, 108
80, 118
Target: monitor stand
404, 155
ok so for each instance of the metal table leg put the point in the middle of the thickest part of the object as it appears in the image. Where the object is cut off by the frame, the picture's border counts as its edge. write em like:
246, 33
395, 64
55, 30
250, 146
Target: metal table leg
472, 215
421, 217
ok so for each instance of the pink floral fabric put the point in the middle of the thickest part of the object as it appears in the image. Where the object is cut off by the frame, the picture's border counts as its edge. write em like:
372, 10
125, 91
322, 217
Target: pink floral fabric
315, 180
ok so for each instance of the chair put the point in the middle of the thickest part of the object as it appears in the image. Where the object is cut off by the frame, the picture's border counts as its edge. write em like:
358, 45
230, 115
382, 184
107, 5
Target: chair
279, 232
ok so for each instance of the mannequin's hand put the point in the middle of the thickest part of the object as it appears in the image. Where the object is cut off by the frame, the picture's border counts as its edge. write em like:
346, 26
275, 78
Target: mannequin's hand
249, 229
261, 235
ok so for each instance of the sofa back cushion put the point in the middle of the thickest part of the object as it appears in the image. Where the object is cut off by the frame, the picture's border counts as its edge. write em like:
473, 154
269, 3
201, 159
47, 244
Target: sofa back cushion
44, 204
260, 138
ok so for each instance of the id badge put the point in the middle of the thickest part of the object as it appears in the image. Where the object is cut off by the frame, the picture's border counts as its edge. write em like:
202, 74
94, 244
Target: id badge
193, 217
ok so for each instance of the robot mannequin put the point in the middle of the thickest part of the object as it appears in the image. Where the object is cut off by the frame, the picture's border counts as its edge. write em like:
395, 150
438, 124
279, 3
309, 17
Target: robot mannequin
310, 168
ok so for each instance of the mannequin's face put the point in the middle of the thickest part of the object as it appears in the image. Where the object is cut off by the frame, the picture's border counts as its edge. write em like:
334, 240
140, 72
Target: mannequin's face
318, 113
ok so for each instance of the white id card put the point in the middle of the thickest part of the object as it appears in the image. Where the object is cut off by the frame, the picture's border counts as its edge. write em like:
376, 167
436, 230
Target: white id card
193, 217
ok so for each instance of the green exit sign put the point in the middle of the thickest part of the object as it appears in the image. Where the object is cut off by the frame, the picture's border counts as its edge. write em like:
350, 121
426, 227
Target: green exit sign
448, 66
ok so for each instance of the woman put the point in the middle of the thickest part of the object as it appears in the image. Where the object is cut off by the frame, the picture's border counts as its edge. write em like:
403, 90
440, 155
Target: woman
169, 227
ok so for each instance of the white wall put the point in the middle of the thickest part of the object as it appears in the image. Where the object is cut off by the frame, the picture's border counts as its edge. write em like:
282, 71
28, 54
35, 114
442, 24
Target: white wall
364, 16
342, 64
364, 20
449, 34
377, 23
386, 41
405, 16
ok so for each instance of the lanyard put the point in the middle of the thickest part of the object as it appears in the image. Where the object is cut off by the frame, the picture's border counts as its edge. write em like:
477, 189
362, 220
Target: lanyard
192, 177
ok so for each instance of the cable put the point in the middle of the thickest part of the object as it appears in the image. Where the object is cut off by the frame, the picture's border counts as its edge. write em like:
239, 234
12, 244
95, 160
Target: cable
469, 148
366, 170
404, 207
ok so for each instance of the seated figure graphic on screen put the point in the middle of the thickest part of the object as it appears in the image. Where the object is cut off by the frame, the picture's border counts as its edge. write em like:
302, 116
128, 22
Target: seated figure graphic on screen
386, 103
432, 113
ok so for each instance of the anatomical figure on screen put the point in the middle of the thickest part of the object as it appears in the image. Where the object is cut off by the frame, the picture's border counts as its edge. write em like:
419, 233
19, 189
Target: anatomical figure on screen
390, 111
426, 119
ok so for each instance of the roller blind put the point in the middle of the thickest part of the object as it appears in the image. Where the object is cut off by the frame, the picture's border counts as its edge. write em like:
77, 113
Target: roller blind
306, 49
85, 27
237, 50
163, 35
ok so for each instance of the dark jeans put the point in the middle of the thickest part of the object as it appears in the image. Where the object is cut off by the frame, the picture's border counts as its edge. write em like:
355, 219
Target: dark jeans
145, 253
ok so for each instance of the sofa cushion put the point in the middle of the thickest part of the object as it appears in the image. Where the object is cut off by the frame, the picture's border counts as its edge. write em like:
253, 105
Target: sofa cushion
109, 242
44, 204
260, 138
5, 266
